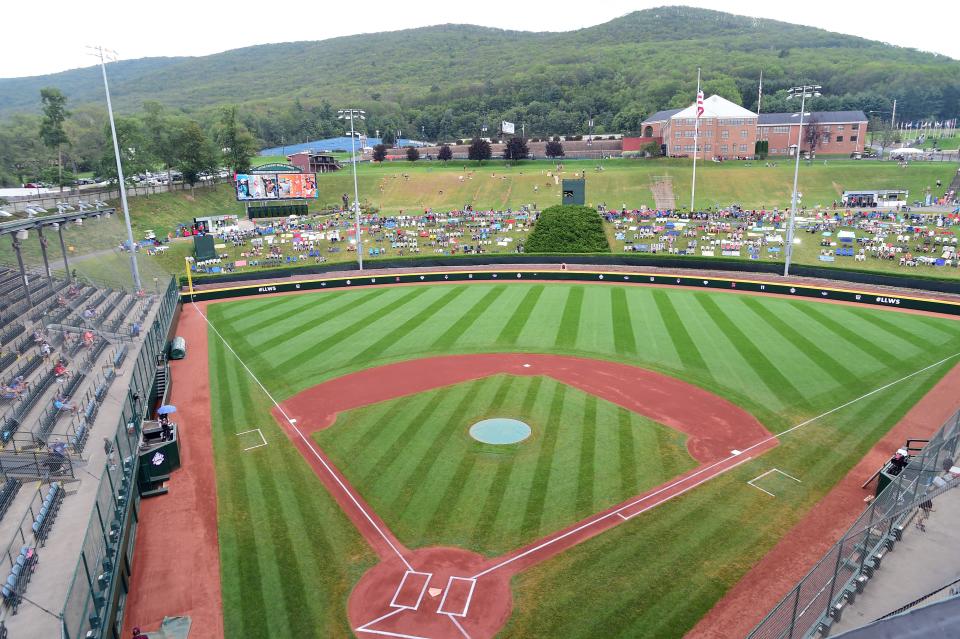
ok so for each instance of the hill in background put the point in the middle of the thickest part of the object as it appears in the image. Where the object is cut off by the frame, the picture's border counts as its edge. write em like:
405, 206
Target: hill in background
445, 80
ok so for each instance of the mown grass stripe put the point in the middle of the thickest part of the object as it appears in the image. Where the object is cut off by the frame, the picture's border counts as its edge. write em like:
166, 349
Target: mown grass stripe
314, 302
766, 370
588, 444
685, 346
511, 331
292, 582
570, 320
533, 514
624, 341
415, 480
377, 348
874, 318
491, 507
820, 357
628, 459
252, 309
345, 333
468, 319
252, 602
296, 332
393, 452
845, 333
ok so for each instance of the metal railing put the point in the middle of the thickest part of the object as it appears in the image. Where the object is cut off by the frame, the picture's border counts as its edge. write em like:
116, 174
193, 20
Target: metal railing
814, 604
92, 586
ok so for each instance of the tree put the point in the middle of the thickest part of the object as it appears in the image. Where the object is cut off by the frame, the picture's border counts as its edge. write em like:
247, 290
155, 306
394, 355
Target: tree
554, 149
479, 150
389, 138
379, 152
813, 133
132, 145
162, 135
881, 133
516, 150
445, 153
413, 154
51, 126
235, 140
197, 154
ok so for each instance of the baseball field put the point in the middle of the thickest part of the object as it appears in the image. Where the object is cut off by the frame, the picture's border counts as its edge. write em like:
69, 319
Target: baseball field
675, 436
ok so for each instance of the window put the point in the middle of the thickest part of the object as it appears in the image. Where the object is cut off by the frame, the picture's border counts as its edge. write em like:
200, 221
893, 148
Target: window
839, 138
855, 126
677, 133
826, 138
688, 148
707, 147
853, 138
743, 133
743, 148
725, 134
839, 127
826, 128
781, 129
723, 148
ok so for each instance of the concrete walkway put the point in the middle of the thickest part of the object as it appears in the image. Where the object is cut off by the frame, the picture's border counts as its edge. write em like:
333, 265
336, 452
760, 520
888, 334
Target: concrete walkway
921, 563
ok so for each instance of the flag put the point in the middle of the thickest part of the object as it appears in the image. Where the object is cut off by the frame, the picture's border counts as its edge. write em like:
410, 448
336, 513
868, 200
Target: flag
699, 103
507, 127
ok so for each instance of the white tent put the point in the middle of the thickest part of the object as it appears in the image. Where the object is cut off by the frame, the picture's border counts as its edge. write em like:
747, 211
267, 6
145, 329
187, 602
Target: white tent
906, 151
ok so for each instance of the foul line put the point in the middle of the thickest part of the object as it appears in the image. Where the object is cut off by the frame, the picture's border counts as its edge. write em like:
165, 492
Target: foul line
705, 469
307, 442
459, 627
366, 627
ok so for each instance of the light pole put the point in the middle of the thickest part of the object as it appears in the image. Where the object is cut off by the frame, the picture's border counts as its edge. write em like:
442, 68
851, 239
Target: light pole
803, 92
350, 114
103, 54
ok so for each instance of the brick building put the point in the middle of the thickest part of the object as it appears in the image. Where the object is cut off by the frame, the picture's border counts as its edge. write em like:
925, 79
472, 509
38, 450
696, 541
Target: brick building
728, 130
310, 162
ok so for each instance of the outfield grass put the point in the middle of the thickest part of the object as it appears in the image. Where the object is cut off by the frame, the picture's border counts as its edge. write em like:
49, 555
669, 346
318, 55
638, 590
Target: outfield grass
784, 360
417, 466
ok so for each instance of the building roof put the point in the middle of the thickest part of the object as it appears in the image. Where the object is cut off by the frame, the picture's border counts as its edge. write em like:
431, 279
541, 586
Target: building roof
661, 116
715, 107
823, 117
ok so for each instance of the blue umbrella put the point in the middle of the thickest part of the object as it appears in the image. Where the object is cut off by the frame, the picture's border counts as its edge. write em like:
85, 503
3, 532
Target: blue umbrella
166, 409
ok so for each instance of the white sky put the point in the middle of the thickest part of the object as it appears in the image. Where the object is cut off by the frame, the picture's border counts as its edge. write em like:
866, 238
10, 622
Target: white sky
34, 44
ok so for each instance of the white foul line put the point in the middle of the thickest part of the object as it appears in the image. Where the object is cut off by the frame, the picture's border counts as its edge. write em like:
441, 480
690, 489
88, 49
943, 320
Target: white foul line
306, 441
366, 627
459, 627
262, 438
706, 468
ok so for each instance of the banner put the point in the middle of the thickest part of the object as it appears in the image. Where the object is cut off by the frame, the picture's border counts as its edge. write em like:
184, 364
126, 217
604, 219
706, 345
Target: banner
276, 186
507, 127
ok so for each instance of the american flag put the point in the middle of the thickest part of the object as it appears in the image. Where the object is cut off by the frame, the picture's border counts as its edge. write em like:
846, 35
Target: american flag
699, 103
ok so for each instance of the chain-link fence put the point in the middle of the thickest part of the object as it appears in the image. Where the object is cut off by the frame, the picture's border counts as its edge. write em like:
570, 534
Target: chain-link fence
821, 596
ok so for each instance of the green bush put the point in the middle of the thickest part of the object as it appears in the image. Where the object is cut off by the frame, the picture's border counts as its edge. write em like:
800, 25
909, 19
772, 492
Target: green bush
568, 229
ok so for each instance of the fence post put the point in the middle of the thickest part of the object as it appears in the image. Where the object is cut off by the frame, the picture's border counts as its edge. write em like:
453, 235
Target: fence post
793, 613
836, 569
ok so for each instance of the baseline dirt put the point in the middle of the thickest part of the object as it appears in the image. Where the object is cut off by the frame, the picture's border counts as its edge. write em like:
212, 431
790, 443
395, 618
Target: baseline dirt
759, 590
176, 567
713, 425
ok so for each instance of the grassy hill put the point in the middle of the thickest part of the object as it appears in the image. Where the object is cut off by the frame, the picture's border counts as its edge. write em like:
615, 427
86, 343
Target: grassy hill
445, 77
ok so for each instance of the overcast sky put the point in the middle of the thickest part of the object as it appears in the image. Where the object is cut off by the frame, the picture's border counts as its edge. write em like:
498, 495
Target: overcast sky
50, 37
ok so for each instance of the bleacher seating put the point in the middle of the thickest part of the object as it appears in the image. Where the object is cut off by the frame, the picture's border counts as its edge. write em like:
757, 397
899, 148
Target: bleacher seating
19, 577
7, 494
79, 438
48, 512
11, 332
119, 356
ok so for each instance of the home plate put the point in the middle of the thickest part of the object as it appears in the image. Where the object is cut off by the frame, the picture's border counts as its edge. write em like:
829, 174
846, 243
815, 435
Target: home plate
435, 591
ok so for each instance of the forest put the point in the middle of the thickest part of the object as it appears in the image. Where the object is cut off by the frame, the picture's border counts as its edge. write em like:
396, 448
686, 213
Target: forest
445, 82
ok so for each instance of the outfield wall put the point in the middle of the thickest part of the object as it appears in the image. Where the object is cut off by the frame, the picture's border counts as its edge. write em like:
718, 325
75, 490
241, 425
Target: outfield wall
687, 281
922, 283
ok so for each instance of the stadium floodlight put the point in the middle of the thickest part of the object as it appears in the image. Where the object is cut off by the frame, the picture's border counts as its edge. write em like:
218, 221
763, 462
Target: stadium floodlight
351, 114
106, 55
803, 92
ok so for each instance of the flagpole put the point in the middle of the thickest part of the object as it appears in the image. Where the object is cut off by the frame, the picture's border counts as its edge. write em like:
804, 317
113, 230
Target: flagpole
696, 134
760, 93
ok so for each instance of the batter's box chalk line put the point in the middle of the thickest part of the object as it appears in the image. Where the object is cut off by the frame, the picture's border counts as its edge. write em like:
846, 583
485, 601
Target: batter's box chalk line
772, 470
263, 440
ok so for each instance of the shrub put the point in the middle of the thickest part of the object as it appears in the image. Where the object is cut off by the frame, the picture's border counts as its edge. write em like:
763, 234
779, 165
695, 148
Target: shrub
568, 229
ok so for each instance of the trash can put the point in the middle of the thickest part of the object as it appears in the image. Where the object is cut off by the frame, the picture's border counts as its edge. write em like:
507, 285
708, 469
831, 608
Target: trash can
178, 348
